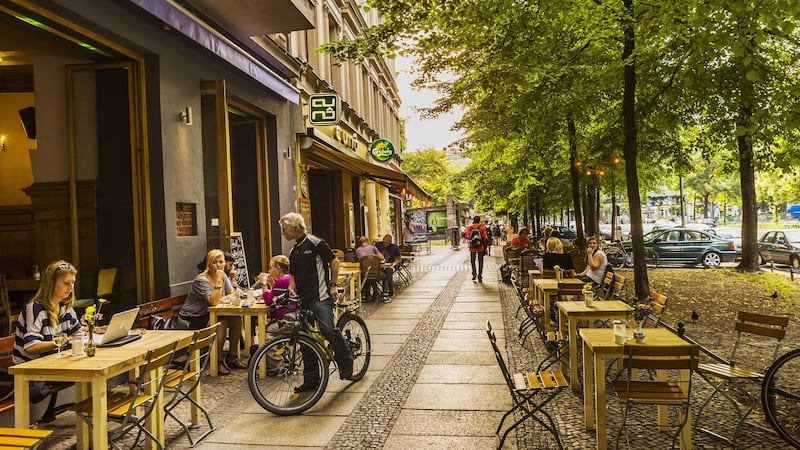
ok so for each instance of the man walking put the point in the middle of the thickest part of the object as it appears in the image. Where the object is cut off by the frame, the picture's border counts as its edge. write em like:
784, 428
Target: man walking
476, 240
314, 270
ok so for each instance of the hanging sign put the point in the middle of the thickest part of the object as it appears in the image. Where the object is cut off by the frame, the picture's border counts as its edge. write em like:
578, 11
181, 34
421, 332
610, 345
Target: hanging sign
382, 150
324, 109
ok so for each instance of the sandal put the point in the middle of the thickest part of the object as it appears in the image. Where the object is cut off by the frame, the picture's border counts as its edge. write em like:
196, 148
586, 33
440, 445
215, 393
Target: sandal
235, 363
222, 369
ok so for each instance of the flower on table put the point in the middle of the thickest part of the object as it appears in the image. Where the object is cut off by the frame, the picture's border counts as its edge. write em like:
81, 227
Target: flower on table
93, 315
643, 309
556, 268
587, 287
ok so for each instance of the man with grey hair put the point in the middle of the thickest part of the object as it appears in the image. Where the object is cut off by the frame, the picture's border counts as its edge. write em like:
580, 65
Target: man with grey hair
314, 270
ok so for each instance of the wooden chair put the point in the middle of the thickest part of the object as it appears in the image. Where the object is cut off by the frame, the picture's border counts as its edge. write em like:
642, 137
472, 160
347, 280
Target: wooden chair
106, 281
619, 284
606, 289
21, 438
130, 410
740, 380
182, 383
370, 273
534, 312
659, 305
530, 392
632, 391
578, 259
7, 384
5, 307
339, 254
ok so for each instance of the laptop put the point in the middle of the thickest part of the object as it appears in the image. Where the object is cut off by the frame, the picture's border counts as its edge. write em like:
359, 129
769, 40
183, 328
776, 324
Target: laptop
117, 332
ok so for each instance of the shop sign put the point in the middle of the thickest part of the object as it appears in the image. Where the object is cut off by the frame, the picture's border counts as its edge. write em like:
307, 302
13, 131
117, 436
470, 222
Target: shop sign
382, 150
324, 109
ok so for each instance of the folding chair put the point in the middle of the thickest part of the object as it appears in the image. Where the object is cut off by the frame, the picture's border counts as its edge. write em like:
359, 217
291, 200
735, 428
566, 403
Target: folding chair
182, 383
632, 391
740, 383
130, 410
370, 274
534, 312
526, 389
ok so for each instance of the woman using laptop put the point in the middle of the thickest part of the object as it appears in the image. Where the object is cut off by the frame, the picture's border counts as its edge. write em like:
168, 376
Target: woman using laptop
207, 289
47, 315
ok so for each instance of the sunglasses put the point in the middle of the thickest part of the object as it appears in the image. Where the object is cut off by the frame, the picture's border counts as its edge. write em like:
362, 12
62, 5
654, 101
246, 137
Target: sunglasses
66, 266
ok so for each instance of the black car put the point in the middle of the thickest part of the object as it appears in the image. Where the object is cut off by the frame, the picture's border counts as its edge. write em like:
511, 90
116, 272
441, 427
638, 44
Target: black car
780, 246
565, 232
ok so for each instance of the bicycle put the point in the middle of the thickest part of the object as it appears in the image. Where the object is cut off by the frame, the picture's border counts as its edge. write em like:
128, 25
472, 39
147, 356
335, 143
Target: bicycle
275, 389
780, 397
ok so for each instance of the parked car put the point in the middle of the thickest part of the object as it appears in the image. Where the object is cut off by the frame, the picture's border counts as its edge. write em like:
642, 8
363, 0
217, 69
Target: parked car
780, 246
687, 246
732, 233
566, 232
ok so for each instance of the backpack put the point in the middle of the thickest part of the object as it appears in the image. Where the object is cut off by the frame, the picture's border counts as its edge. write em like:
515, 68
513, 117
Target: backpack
475, 238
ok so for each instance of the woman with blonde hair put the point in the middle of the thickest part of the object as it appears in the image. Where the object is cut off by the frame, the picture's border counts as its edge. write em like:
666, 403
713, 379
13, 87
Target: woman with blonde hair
207, 289
48, 314
555, 256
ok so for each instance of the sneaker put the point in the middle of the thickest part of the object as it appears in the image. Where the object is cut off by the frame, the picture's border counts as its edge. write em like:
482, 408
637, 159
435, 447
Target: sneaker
235, 363
473, 278
305, 387
387, 299
480, 280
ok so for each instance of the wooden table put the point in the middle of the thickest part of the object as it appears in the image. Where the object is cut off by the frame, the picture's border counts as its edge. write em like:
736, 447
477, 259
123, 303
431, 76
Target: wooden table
570, 312
258, 310
546, 288
598, 344
91, 376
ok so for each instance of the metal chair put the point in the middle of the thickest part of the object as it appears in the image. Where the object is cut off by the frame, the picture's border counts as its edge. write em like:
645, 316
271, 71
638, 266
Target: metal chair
632, 391
530, 392
130, 410
182, 383
739, 381
106, 281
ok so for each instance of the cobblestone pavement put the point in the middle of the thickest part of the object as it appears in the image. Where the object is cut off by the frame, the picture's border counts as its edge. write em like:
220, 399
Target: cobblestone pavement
372, 419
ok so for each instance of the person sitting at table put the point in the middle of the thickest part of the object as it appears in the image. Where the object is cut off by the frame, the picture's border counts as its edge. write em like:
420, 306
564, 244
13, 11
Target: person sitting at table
369, 290
276, 283
541, 244
521, 240
596, 263
48, 314
207, 289
555, 256
391, 258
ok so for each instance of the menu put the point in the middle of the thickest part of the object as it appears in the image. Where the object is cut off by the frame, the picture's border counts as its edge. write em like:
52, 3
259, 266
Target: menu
240, 261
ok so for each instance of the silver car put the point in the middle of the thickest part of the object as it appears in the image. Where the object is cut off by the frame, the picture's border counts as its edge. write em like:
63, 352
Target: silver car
781, 247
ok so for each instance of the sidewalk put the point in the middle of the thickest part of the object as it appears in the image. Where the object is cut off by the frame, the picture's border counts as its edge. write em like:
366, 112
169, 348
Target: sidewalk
433, 382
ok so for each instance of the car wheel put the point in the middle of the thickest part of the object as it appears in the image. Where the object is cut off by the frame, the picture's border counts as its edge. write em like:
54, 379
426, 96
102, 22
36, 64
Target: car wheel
711, 260
795, 262
761, 260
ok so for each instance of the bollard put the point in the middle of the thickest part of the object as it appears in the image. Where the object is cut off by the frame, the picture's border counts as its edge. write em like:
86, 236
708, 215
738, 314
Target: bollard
681, 328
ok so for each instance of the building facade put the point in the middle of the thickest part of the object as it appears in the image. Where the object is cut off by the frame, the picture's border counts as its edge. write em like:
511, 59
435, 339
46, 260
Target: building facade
141, 133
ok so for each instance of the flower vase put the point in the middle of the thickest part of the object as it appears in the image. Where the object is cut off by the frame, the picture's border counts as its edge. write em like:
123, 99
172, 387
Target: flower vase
91, 348
638, 333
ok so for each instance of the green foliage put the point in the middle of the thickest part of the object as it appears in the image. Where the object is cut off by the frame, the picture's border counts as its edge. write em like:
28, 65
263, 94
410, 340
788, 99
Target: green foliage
434, 174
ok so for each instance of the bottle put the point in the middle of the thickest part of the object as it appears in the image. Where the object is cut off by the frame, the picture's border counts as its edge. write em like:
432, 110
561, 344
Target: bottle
77, 344
36, 274
250, 297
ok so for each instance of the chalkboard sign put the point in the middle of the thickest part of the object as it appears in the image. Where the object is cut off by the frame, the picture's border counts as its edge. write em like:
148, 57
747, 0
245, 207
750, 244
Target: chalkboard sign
239, 260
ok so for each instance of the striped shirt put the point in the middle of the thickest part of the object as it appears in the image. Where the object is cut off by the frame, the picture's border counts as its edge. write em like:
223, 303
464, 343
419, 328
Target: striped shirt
34, 327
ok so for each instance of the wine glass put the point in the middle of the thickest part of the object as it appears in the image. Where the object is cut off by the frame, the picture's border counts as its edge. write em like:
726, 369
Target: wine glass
60, 340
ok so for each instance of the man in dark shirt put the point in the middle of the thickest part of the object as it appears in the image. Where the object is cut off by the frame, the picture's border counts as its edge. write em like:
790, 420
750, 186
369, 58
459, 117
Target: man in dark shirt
313, 265
391, 258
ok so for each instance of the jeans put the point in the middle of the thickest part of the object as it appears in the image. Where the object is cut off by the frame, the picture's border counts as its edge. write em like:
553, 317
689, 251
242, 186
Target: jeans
387, 276
323, 312
479, 272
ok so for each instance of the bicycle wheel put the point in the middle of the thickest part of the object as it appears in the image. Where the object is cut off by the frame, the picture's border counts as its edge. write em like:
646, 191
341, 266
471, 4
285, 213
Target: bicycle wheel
615, 257
780, 397
651, 257
278, 391
357, 337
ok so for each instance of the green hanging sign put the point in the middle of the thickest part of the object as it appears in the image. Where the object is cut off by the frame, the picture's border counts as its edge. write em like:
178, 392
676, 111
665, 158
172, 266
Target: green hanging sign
382, 150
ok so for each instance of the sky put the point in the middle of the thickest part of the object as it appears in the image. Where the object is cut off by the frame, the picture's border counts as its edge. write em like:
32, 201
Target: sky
427, 133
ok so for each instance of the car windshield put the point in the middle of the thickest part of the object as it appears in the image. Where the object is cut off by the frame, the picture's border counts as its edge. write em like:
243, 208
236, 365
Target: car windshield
651, 234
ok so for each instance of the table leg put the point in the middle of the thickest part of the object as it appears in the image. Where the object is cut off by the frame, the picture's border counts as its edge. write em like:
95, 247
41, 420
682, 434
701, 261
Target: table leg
214, 363
22, 405
82, 429
99, 413
588, 388
262, 339
248, 333
573, 351
600, 401
663, 410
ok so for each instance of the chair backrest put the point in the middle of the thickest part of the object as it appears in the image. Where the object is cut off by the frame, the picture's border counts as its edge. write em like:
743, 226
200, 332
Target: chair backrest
659, 305
548, 273
607, 286
197, 360
578, 259
570, 290
338, 253
759, 326
512, 255
370, 268
148, 386
654, 357
619, 284
499, 356
6, 350
527, 260
106, 281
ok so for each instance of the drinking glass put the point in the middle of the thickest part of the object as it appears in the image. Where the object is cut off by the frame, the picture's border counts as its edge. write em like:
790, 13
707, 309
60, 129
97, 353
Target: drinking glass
60, 340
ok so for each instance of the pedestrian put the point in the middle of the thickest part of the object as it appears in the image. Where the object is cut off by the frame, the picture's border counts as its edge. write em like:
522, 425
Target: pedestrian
476, 237
314, 270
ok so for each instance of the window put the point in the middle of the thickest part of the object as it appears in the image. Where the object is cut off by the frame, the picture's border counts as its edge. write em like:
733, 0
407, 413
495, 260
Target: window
186, 219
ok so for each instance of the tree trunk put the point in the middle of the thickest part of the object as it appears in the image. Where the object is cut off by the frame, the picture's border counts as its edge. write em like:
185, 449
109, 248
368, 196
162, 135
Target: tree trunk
630, 152
746, 170
580, 242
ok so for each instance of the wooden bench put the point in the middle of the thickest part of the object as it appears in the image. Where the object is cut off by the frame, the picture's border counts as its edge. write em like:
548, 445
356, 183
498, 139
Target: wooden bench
165, 308
6, 349
21, 437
